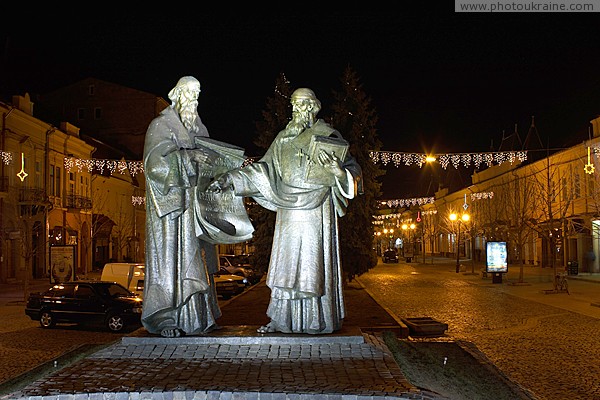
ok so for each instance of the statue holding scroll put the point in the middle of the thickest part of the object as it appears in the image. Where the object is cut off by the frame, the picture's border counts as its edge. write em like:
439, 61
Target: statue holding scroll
307, 177
181, 256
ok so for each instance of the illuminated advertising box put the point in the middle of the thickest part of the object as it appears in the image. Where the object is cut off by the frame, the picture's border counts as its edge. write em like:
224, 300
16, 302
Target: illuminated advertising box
496, 257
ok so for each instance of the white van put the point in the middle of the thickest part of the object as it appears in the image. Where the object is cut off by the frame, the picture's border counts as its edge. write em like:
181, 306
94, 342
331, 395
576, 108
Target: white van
130, 275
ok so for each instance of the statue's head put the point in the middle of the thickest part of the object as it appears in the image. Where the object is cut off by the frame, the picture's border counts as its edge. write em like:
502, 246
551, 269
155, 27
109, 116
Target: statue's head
307, 96
187, 86
184, 97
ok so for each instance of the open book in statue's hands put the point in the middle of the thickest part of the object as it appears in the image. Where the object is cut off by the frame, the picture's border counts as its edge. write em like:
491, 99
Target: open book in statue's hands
336, 147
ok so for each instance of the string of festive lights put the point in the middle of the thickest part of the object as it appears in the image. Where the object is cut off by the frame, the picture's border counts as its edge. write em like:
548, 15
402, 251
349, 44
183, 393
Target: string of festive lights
138, 200
427, 200
481, 196
379, 219
134, 167
456, 159
6, 157
408, 202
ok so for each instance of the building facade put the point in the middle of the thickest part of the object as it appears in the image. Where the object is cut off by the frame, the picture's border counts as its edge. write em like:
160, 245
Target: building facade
41, 204
547, 211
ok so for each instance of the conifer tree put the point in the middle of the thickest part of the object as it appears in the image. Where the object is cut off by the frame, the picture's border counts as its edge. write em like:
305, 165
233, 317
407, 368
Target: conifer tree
276, 116
355, 118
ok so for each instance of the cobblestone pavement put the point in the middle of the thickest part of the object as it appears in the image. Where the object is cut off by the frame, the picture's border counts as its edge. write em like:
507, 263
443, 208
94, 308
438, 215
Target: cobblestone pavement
547, 343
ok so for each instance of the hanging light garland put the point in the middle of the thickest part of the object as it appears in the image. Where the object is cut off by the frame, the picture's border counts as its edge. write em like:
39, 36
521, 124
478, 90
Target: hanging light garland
383, 157
121, 166
408, 202
456, 159
481, 196
378, 219
138, 200
6, 157
426, 200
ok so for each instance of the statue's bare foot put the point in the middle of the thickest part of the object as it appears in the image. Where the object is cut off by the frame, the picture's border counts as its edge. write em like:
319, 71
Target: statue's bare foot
170, 332
268, 328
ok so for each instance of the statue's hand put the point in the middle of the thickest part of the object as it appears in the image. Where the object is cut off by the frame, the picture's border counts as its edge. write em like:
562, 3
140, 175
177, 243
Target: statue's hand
220, 184
200, 156
332, 164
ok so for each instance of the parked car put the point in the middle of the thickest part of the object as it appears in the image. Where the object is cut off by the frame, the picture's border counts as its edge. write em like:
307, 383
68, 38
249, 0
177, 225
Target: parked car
107, 303
234, 266
390, 256
130, 275
229, 285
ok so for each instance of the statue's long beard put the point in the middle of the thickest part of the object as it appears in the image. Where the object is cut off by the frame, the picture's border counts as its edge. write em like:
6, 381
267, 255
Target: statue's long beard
300, 121
188, 118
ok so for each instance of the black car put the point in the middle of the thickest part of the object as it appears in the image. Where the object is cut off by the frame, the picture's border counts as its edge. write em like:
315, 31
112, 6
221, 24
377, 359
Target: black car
107, 303
390, 256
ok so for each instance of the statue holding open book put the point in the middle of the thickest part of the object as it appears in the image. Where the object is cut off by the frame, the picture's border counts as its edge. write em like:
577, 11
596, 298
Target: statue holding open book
183, 221
307, 177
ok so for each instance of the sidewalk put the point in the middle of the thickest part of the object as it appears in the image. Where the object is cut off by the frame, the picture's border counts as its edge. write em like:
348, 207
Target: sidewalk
235, 362
537, 284
238, 363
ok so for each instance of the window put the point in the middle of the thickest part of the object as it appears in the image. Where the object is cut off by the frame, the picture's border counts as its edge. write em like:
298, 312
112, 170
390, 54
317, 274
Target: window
81, 113
61, 291
591, 188
38, 174
51, 188
91, 90
58, 182
71, 183
576, 185
97, 113
84, 292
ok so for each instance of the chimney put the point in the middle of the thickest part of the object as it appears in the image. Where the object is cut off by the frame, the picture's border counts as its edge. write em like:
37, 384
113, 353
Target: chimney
69, 129
23, 103
595, 127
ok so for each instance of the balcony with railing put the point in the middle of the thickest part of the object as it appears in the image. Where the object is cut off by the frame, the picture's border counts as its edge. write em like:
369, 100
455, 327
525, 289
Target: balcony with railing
33, 202
78, 202
32, 196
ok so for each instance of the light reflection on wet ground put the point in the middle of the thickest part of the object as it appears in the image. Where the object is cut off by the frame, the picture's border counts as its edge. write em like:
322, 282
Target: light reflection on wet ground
548, 350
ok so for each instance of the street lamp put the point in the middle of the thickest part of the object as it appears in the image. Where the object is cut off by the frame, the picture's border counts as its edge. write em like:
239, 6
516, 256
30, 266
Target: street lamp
390, 237
464, 219
378, 234
408, 246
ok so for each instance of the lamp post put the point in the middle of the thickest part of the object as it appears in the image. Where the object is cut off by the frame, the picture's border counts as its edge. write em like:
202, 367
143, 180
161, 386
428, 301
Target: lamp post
408, 246
454, 218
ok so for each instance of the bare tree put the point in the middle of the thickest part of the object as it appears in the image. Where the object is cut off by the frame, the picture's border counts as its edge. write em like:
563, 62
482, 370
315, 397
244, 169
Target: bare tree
26, 208
430, 229
556, 195
519, 195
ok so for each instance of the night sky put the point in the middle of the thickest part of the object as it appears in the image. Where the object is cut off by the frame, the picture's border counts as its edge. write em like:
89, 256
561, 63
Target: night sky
440, 82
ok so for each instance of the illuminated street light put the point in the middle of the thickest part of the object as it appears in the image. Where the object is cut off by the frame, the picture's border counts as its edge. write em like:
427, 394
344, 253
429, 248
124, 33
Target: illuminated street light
408, 246
463, 219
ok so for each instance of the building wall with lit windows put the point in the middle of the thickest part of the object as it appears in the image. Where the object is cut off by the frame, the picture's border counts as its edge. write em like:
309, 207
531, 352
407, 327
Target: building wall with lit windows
39, 201
547, 210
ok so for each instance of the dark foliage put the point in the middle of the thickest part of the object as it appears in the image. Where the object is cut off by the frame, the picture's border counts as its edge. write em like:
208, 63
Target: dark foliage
275, 117
354, 116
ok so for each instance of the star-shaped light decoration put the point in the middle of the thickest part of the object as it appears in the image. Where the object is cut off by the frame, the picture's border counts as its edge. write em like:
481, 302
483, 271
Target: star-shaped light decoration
22, 174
